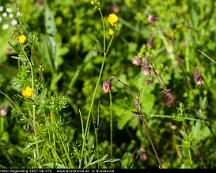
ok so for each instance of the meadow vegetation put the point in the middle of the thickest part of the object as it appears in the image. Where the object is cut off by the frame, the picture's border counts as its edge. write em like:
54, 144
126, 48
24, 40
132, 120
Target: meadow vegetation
107, 84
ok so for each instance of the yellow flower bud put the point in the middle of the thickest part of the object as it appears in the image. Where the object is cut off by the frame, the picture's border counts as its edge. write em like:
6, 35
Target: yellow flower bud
111, 32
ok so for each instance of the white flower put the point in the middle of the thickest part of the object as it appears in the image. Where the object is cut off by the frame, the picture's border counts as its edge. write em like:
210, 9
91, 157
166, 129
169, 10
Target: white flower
1, 8
11, 15
13, 22
5, 26
4, 14
9, 10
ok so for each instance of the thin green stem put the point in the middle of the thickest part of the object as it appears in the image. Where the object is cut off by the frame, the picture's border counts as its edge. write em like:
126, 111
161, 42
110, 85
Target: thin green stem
1, 124
179, 118
97, 84
189, 155
30, 64
207, 57
15, 106
34, 126
66, 152
52, 118
111, 126
158, 77
104, 30
83, 136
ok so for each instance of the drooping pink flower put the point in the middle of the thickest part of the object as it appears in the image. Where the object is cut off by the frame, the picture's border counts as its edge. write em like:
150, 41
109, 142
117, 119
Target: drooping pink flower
107, 86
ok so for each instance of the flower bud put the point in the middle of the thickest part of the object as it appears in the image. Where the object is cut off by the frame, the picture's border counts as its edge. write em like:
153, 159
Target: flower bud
150, 43
198, 78
107, 86
137, 104
143, 156
169, 98
137, 60
115, 8
4, 111
149, 81
146, 69
152, 19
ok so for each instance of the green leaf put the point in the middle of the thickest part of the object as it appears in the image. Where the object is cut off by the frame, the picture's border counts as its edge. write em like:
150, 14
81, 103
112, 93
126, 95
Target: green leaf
49, 22
124, 117
199, 131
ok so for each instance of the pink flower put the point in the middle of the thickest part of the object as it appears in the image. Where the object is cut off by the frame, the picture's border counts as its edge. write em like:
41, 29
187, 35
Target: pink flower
150, 43
143, 155
137, 60
107, 86
169, 98
198, 78
152, 19
146, 69
149, 81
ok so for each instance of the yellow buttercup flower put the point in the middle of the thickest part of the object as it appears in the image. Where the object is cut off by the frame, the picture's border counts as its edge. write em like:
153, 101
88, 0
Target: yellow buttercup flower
110, 31
27, 92
22, 39
112, 19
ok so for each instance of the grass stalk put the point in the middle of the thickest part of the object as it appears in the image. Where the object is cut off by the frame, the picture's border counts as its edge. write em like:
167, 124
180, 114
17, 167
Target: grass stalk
66, 152
111, 126
34, 125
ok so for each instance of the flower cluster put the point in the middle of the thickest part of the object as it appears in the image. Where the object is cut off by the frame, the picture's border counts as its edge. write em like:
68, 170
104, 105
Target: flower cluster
147, 70
8, 17
113, 21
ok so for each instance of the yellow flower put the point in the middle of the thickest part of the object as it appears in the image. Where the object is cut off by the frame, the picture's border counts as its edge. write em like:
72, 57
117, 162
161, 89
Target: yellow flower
22, 39
27, 92
111, 32
112, 19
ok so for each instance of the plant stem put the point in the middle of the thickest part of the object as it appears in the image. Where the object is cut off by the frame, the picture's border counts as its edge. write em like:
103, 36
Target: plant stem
1, 124
111, 126
150, 139
98, 81
149, 135
66, 152
34, 126
52, 118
